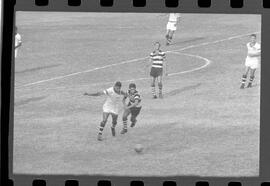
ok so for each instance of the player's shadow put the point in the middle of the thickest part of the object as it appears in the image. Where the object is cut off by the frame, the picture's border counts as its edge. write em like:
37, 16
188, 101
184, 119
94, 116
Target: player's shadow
178, 91
29, 100
188, 40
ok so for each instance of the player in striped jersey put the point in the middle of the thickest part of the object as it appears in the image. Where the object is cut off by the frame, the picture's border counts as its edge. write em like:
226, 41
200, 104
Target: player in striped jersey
158, 68
110, 107
133, 107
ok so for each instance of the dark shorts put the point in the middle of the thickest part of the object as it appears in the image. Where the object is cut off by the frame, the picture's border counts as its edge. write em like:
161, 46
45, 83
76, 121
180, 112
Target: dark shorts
155, 72
135, 111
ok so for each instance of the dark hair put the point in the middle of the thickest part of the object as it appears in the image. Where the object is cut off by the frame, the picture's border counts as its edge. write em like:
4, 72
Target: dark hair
132, 85
253, 35
118, 84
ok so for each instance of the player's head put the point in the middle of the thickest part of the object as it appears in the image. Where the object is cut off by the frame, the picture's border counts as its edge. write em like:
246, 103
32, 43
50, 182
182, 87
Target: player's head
157, 45
253, 38
117, 86
132, 87
15, 29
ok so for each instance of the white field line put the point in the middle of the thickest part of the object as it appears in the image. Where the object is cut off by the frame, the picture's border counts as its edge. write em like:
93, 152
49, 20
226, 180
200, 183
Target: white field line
131, 61
206, 63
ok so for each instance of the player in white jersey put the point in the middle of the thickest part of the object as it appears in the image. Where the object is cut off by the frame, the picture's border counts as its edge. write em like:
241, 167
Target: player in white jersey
252, 61
171, 26
111, 106
158, 67
18, 41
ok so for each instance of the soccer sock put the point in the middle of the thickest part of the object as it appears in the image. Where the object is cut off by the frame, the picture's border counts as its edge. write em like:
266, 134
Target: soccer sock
153, 90
101, 127
251, 79
114, 124
125, 124
160, 88
244, 78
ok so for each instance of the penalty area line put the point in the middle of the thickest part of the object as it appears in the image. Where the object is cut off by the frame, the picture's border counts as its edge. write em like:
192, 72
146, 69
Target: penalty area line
206, 63
130, 61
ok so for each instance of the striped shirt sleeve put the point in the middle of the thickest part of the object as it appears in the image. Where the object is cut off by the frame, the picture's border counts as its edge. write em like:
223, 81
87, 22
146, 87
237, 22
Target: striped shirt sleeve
137, 97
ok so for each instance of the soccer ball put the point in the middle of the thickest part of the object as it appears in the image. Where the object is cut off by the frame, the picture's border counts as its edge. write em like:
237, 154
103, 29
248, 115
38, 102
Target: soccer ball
138, 148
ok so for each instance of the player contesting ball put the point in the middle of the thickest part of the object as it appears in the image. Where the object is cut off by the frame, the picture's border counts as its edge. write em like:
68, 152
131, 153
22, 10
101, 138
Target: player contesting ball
110, 107
133, 107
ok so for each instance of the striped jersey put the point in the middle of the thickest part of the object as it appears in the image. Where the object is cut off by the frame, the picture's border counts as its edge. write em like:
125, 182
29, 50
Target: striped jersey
133, 97
157, 58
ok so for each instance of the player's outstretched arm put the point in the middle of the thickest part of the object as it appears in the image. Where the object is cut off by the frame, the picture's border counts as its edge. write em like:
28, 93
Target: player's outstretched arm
147, 66
165, 68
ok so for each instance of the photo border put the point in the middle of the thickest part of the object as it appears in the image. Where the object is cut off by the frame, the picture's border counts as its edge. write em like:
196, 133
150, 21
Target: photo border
157, 6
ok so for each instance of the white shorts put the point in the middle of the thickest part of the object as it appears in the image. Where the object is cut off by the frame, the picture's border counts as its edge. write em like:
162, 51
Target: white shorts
253, 64
171, 26
110, 109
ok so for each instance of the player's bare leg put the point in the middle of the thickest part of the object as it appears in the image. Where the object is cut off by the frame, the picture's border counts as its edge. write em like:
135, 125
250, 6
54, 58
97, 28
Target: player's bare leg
168, 37
102, 125
160, 95
125, 118
153, 84
171, 36
114, 123
134, 113
244, 78
251, 78
167, 34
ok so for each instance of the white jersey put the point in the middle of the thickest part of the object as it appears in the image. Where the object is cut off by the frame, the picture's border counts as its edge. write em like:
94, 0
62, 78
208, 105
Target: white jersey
113, 101
253, 61
254, 50
174, 17
18, 40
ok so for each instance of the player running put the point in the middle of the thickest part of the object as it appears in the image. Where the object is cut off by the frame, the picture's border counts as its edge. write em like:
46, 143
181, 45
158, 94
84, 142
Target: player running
252, 61
18, 41
133, 107
110, 107
157, 58
171, 26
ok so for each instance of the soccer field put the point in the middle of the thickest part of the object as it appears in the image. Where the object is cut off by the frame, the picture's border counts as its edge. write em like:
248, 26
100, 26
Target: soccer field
205, 125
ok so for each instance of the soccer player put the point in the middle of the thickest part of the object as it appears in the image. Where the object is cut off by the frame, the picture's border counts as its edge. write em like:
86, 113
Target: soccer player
18, 41
171, 27
111, 106
158, 68
252, 61
133, 107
